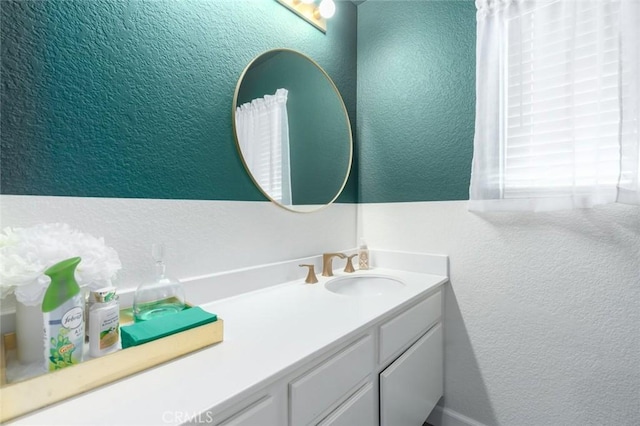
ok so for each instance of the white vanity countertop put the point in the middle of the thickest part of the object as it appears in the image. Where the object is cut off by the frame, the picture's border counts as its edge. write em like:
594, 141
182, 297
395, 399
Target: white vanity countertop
268, 333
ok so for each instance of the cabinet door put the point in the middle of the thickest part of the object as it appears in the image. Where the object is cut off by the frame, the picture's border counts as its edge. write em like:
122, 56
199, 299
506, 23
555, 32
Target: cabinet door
412, 385
358, 410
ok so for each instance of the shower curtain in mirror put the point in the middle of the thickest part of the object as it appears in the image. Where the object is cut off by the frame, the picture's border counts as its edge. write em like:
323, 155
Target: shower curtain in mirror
557, 104
262, 127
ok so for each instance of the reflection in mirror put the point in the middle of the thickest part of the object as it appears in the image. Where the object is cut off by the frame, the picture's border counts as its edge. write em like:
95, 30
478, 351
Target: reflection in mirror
292, 130
263, 135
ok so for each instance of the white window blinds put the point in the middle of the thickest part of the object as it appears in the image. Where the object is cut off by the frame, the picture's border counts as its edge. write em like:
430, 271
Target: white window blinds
549, 110
562, 109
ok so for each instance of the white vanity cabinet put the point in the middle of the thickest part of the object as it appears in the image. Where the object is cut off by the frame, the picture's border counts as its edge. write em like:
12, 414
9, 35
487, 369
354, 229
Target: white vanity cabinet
389, 375
411, 386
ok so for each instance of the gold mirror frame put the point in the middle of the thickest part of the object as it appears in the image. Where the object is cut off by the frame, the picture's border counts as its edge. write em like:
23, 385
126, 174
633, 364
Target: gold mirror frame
235, 131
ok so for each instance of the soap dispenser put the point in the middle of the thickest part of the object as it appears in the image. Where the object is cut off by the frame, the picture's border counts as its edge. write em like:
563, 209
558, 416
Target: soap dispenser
363, 255
164, 295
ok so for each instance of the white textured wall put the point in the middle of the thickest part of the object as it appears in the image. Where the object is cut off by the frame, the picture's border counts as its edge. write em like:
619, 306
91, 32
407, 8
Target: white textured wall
543, 317
542, 323
201, 237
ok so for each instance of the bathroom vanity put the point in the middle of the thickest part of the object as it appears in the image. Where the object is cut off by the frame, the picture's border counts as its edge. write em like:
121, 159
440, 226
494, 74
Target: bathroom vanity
296, 354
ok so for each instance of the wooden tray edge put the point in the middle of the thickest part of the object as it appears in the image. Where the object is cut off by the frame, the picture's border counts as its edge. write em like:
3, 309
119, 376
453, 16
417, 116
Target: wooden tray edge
29, 395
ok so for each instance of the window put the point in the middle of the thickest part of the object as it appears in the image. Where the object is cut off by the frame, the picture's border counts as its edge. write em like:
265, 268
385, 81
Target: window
548, 131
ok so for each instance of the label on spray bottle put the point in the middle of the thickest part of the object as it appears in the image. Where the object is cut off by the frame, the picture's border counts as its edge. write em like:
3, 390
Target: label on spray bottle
64, 334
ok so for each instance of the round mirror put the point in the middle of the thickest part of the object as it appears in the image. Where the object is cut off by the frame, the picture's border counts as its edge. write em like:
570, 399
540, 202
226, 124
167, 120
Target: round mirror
292, 130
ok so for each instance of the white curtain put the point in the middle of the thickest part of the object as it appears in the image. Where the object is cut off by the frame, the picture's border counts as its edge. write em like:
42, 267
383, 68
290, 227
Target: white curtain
557, 104
262, 127
629, 187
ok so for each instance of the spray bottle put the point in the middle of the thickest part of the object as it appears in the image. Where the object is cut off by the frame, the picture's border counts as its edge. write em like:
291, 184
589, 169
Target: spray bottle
63, 311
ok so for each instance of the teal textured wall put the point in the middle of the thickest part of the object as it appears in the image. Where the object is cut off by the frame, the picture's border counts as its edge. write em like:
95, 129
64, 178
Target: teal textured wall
416, 99
132, 98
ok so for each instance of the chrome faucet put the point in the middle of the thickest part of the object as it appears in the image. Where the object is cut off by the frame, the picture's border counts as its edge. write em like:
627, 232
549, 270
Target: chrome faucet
327, 258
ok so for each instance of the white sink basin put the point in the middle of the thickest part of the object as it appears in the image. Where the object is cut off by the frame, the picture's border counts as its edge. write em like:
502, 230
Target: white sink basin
364, 285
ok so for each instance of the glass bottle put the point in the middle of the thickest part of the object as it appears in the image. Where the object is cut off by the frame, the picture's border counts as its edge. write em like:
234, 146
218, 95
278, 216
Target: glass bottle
164, 295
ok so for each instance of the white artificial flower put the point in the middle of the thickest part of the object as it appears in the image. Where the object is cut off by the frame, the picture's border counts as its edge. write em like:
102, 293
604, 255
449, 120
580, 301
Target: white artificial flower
25, 253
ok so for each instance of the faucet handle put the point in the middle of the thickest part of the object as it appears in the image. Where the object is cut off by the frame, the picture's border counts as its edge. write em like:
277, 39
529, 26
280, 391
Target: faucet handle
311, 275
349, 266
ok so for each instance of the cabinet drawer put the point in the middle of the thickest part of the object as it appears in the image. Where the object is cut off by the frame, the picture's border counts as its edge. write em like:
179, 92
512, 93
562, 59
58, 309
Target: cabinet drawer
263, 412
316, 391
358, 410
401, 330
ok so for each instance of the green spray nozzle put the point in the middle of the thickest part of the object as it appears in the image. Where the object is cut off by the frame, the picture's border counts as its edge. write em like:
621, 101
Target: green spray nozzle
63, 284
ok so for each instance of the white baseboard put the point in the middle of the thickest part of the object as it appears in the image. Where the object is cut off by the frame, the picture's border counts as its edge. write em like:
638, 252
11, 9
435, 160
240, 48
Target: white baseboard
445, 417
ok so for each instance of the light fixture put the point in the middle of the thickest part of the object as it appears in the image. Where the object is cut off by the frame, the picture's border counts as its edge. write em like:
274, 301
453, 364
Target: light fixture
327, 8
310, 11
